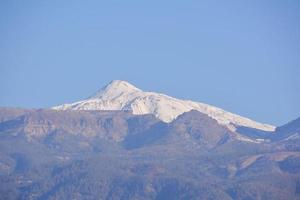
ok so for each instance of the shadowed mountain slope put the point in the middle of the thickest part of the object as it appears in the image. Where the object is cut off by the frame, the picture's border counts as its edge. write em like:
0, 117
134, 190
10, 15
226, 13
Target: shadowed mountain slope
49, 154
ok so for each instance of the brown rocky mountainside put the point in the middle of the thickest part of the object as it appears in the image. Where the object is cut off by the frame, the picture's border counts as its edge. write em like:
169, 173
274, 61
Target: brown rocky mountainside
48, 154
38, 124
201, 129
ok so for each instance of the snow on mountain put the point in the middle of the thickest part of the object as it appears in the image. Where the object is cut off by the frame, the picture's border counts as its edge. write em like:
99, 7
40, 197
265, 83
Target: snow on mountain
121, 95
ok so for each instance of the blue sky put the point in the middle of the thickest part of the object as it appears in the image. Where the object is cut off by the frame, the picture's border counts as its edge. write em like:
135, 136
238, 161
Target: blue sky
243, 56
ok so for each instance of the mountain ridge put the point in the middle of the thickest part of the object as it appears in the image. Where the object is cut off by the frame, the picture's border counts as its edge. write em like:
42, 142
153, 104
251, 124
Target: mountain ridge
121, 95
84, 154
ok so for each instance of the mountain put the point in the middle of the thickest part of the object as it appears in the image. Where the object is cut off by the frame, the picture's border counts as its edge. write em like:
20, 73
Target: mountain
288, 135
121, 95
289, 130
123, 143
88, 154
133, 131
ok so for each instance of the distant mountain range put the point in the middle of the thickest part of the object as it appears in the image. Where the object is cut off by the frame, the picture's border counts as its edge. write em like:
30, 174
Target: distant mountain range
123, 143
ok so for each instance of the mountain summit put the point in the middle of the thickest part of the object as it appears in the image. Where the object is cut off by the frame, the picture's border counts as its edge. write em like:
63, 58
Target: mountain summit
115, 89
121, 95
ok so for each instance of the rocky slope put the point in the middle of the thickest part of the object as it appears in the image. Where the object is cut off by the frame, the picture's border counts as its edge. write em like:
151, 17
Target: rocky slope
49, 154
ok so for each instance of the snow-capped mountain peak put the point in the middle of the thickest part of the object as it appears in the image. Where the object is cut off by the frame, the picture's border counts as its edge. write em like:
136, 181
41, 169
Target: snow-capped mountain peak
115, 89
121, 95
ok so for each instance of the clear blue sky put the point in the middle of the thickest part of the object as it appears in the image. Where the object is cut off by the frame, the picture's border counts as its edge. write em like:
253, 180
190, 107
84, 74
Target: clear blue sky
243, 57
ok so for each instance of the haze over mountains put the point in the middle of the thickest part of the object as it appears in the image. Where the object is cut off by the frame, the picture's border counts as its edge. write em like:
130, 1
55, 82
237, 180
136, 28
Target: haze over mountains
123, 143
